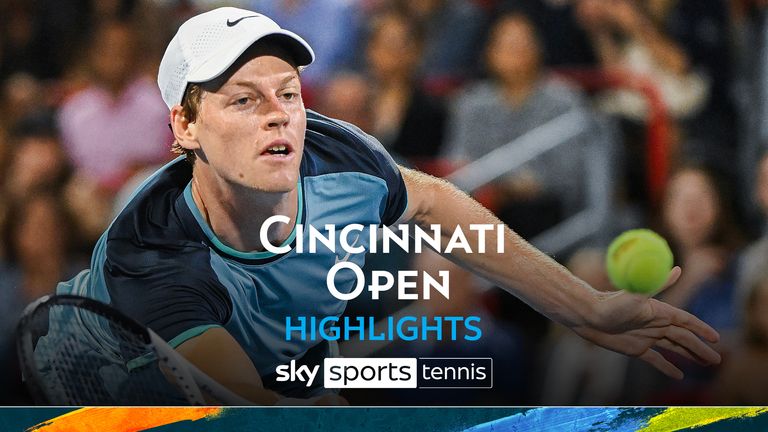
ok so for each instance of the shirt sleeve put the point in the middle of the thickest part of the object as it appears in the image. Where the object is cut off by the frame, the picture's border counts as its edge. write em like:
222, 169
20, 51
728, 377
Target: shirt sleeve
397, 197
345, 147
384, 167
172, 291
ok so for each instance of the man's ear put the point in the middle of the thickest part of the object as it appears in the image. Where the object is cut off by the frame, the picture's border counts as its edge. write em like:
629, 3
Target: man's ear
184, 131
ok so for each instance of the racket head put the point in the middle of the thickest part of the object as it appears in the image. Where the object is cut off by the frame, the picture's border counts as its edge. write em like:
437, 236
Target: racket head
77, 351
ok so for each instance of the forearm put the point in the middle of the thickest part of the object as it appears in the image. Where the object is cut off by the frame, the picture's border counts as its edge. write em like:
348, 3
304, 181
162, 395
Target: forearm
521, 269
619, 321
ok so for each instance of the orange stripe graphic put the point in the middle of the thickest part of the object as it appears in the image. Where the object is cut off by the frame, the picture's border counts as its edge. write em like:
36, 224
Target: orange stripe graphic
122, 419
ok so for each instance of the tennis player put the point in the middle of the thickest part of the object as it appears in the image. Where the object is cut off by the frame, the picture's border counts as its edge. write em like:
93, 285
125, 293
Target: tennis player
185, 256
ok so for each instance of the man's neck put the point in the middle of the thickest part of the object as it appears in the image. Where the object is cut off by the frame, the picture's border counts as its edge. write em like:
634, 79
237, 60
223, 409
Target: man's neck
236, 213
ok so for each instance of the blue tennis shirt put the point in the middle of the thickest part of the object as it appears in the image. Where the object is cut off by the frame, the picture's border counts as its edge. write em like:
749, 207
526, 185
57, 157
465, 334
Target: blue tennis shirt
160, 263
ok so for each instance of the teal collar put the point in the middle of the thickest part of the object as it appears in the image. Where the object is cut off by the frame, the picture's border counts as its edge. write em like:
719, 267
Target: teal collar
228, 249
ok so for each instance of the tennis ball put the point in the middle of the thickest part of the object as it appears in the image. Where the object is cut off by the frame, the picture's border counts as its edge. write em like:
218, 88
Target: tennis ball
639, 261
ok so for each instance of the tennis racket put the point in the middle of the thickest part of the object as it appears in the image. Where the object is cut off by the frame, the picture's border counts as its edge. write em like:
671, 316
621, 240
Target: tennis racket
78, 351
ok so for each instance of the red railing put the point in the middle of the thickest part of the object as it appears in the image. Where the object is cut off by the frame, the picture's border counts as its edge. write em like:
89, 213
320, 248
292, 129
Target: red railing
658, 126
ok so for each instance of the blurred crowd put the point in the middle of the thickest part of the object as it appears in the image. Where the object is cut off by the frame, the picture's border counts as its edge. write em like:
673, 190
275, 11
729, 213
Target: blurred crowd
671, 98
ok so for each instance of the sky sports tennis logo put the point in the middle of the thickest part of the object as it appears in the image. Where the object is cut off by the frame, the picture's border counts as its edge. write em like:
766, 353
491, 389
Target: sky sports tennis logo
423, 372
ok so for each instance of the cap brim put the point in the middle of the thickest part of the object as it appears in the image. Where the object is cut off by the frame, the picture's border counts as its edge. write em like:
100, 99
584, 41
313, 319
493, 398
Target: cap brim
299, 50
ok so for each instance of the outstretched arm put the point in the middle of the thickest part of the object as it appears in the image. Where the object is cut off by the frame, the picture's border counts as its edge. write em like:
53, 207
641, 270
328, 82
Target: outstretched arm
627, 323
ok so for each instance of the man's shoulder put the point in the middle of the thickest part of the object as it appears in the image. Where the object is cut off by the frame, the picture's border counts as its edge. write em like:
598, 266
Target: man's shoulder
333, 146
154, 215
356, 162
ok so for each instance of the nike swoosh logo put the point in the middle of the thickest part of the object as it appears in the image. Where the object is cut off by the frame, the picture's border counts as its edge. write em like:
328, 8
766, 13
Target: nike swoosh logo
346, 257
231, 23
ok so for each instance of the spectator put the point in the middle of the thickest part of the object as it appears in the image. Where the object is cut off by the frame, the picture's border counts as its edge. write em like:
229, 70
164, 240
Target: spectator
697, 215
407, 121
330, 26
742, 380
21, 96
755, 258
701, 28
518, 97
454, 38
44, 38
21, 47
750, 33
38, 161
98, 124
567, 44
679, 49
697, 220
625, 36
37, 236
346, 97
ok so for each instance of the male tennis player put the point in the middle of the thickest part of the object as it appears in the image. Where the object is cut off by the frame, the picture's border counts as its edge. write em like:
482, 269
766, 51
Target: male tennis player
185, 257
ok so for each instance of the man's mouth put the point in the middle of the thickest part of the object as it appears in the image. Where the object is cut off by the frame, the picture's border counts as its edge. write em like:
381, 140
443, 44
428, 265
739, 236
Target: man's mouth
278, 148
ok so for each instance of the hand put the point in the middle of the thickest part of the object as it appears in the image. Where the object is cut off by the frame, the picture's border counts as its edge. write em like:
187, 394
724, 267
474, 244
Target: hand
636, 325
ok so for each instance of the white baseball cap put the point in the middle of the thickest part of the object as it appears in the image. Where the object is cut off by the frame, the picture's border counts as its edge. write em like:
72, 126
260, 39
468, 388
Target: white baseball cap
206, 45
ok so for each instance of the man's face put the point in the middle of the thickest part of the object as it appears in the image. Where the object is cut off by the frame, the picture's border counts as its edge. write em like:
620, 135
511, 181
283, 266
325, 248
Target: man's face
250, 130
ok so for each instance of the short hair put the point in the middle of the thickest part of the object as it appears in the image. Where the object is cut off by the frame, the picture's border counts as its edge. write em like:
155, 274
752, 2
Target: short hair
190, 108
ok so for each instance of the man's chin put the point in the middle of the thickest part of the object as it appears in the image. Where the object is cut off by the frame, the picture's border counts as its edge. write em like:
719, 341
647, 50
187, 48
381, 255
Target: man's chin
273, 188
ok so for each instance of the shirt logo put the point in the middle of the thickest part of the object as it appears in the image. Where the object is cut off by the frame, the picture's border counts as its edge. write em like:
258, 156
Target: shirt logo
232, 23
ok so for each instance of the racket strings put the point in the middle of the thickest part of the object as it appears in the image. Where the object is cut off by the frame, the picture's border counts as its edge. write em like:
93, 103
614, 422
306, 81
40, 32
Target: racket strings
84, 358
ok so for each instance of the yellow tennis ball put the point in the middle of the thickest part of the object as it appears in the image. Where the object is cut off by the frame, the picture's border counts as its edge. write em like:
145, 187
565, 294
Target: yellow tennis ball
639, 261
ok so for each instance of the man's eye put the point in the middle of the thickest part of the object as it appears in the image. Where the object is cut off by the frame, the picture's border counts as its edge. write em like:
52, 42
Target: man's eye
290, 96
242, 101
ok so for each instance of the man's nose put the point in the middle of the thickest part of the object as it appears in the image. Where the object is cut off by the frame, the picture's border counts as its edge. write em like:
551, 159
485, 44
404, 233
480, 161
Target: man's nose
276, 114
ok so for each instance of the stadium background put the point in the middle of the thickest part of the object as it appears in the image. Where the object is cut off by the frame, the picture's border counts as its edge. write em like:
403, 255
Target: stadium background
654, 112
